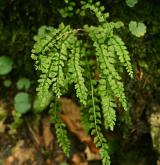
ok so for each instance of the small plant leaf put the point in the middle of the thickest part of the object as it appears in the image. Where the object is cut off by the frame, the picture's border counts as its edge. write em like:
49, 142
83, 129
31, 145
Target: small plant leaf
131, 3
37, 107
5, 65
63, 163
138, 29
23, 83
22, 102
7, 83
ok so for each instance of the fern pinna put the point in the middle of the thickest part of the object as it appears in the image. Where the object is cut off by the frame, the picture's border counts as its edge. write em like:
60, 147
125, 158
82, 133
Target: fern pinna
66, 56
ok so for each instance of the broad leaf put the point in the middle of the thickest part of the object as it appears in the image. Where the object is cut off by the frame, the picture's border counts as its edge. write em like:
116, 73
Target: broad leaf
7, 83
137, 28
23, 83
131, 3
22, 102
5, 65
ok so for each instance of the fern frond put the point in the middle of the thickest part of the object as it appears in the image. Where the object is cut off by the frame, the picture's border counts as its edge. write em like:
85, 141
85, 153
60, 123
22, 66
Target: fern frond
75, 70
53, 54
108, 104
62, 137
96, 8
60, 127
122, 53
50, 53
106, 60
95, 126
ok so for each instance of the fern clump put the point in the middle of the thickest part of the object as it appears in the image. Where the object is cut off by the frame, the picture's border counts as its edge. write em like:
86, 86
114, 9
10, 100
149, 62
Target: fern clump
92, 59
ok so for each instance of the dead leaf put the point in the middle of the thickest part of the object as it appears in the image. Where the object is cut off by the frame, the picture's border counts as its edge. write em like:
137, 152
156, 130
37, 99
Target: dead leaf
71, 117
2, 126
20, 154
50, 162
42, 138
10, 160
48, 137
59, 157
36, 136
3, 115
79, 159
90, 155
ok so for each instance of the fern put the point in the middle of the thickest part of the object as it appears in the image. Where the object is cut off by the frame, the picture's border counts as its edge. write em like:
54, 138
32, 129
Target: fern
95, 126
123, 54
75, 71
51, 61
92, 59
62, 138
60, 128
108, 104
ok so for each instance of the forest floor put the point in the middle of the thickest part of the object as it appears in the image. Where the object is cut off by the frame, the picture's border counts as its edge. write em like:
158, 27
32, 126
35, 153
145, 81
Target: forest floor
34, 142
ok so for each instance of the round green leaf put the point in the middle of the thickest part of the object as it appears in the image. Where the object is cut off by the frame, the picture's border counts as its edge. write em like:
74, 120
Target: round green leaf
22, 102
23, 83
63, 163
5, 65
137, 28
7, 83
37, 107
131, 3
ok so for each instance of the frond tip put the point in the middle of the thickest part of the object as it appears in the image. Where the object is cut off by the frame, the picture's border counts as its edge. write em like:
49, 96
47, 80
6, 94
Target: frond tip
122, 53
62, 137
